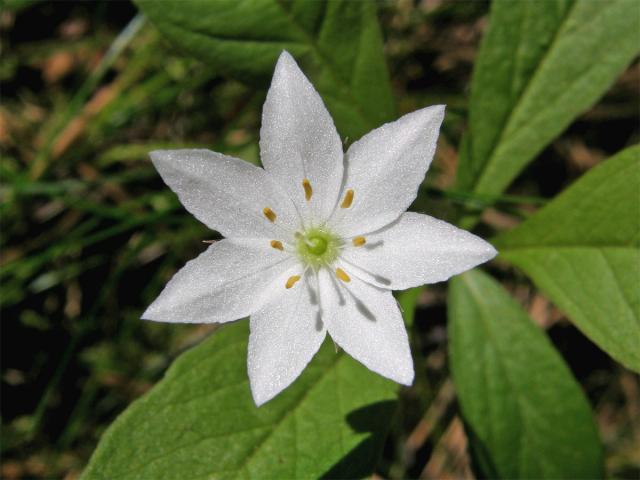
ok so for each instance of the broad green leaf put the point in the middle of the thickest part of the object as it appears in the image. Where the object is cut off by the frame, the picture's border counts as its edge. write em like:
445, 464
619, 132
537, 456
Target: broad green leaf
525, 415
583, 251
200, 420
338, 43
541, 64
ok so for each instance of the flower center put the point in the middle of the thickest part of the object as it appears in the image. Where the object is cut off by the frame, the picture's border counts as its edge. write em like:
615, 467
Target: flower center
317, 247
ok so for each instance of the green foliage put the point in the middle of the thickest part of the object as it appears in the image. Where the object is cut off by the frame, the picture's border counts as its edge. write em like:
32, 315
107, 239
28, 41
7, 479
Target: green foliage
541, 64
525, 414
583, 251
200, 421
338, 43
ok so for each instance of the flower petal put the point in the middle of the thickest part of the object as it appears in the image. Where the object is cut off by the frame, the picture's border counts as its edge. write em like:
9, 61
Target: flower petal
414, 250
366, 322
225, 193
230, 280
385, 168
285, 335
299, 141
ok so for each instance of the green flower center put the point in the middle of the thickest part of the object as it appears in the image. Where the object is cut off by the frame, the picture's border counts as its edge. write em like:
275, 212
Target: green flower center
317, 247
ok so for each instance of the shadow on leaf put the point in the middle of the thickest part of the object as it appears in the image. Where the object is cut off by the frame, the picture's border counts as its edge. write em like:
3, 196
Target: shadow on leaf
481, 459
361, 461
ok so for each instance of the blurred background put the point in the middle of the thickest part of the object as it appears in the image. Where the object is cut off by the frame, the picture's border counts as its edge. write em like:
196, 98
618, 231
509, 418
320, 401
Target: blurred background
90, 234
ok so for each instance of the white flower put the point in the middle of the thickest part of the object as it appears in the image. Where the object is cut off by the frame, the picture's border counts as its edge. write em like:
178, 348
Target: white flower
316, 240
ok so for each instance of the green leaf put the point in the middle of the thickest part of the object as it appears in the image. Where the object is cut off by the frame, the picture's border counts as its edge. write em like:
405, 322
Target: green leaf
583, 251
525, 415
200, 420
338, 43
541, 64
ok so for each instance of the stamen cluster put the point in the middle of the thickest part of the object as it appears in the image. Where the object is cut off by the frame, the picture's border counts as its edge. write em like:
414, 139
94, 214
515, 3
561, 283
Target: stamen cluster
316, 247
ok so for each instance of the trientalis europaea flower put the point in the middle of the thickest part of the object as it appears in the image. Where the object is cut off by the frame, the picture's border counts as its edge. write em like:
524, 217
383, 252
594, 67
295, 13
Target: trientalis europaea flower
316, 240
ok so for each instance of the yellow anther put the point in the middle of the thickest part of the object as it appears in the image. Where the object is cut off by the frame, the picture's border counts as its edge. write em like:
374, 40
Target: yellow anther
308, 191
342, 275
277, 245
348, 199
292, 281
270, 214
358, 241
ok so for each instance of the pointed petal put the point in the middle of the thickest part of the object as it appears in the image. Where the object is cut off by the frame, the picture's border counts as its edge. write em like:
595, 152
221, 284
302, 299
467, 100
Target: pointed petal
230, 280
285, 335
225, 193
366, 322
385, 169
299, 141
414, 250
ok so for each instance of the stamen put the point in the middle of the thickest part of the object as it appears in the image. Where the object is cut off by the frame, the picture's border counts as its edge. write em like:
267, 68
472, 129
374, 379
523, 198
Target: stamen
348, 199
308, 191
277, 245
270, 214
358, 241
342, 275
292, 281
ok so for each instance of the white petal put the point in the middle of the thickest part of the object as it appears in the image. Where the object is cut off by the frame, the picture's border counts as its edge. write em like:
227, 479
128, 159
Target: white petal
230, 280
285, 335
298, 140
225, 193
414, 250
385, 169
366, 322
